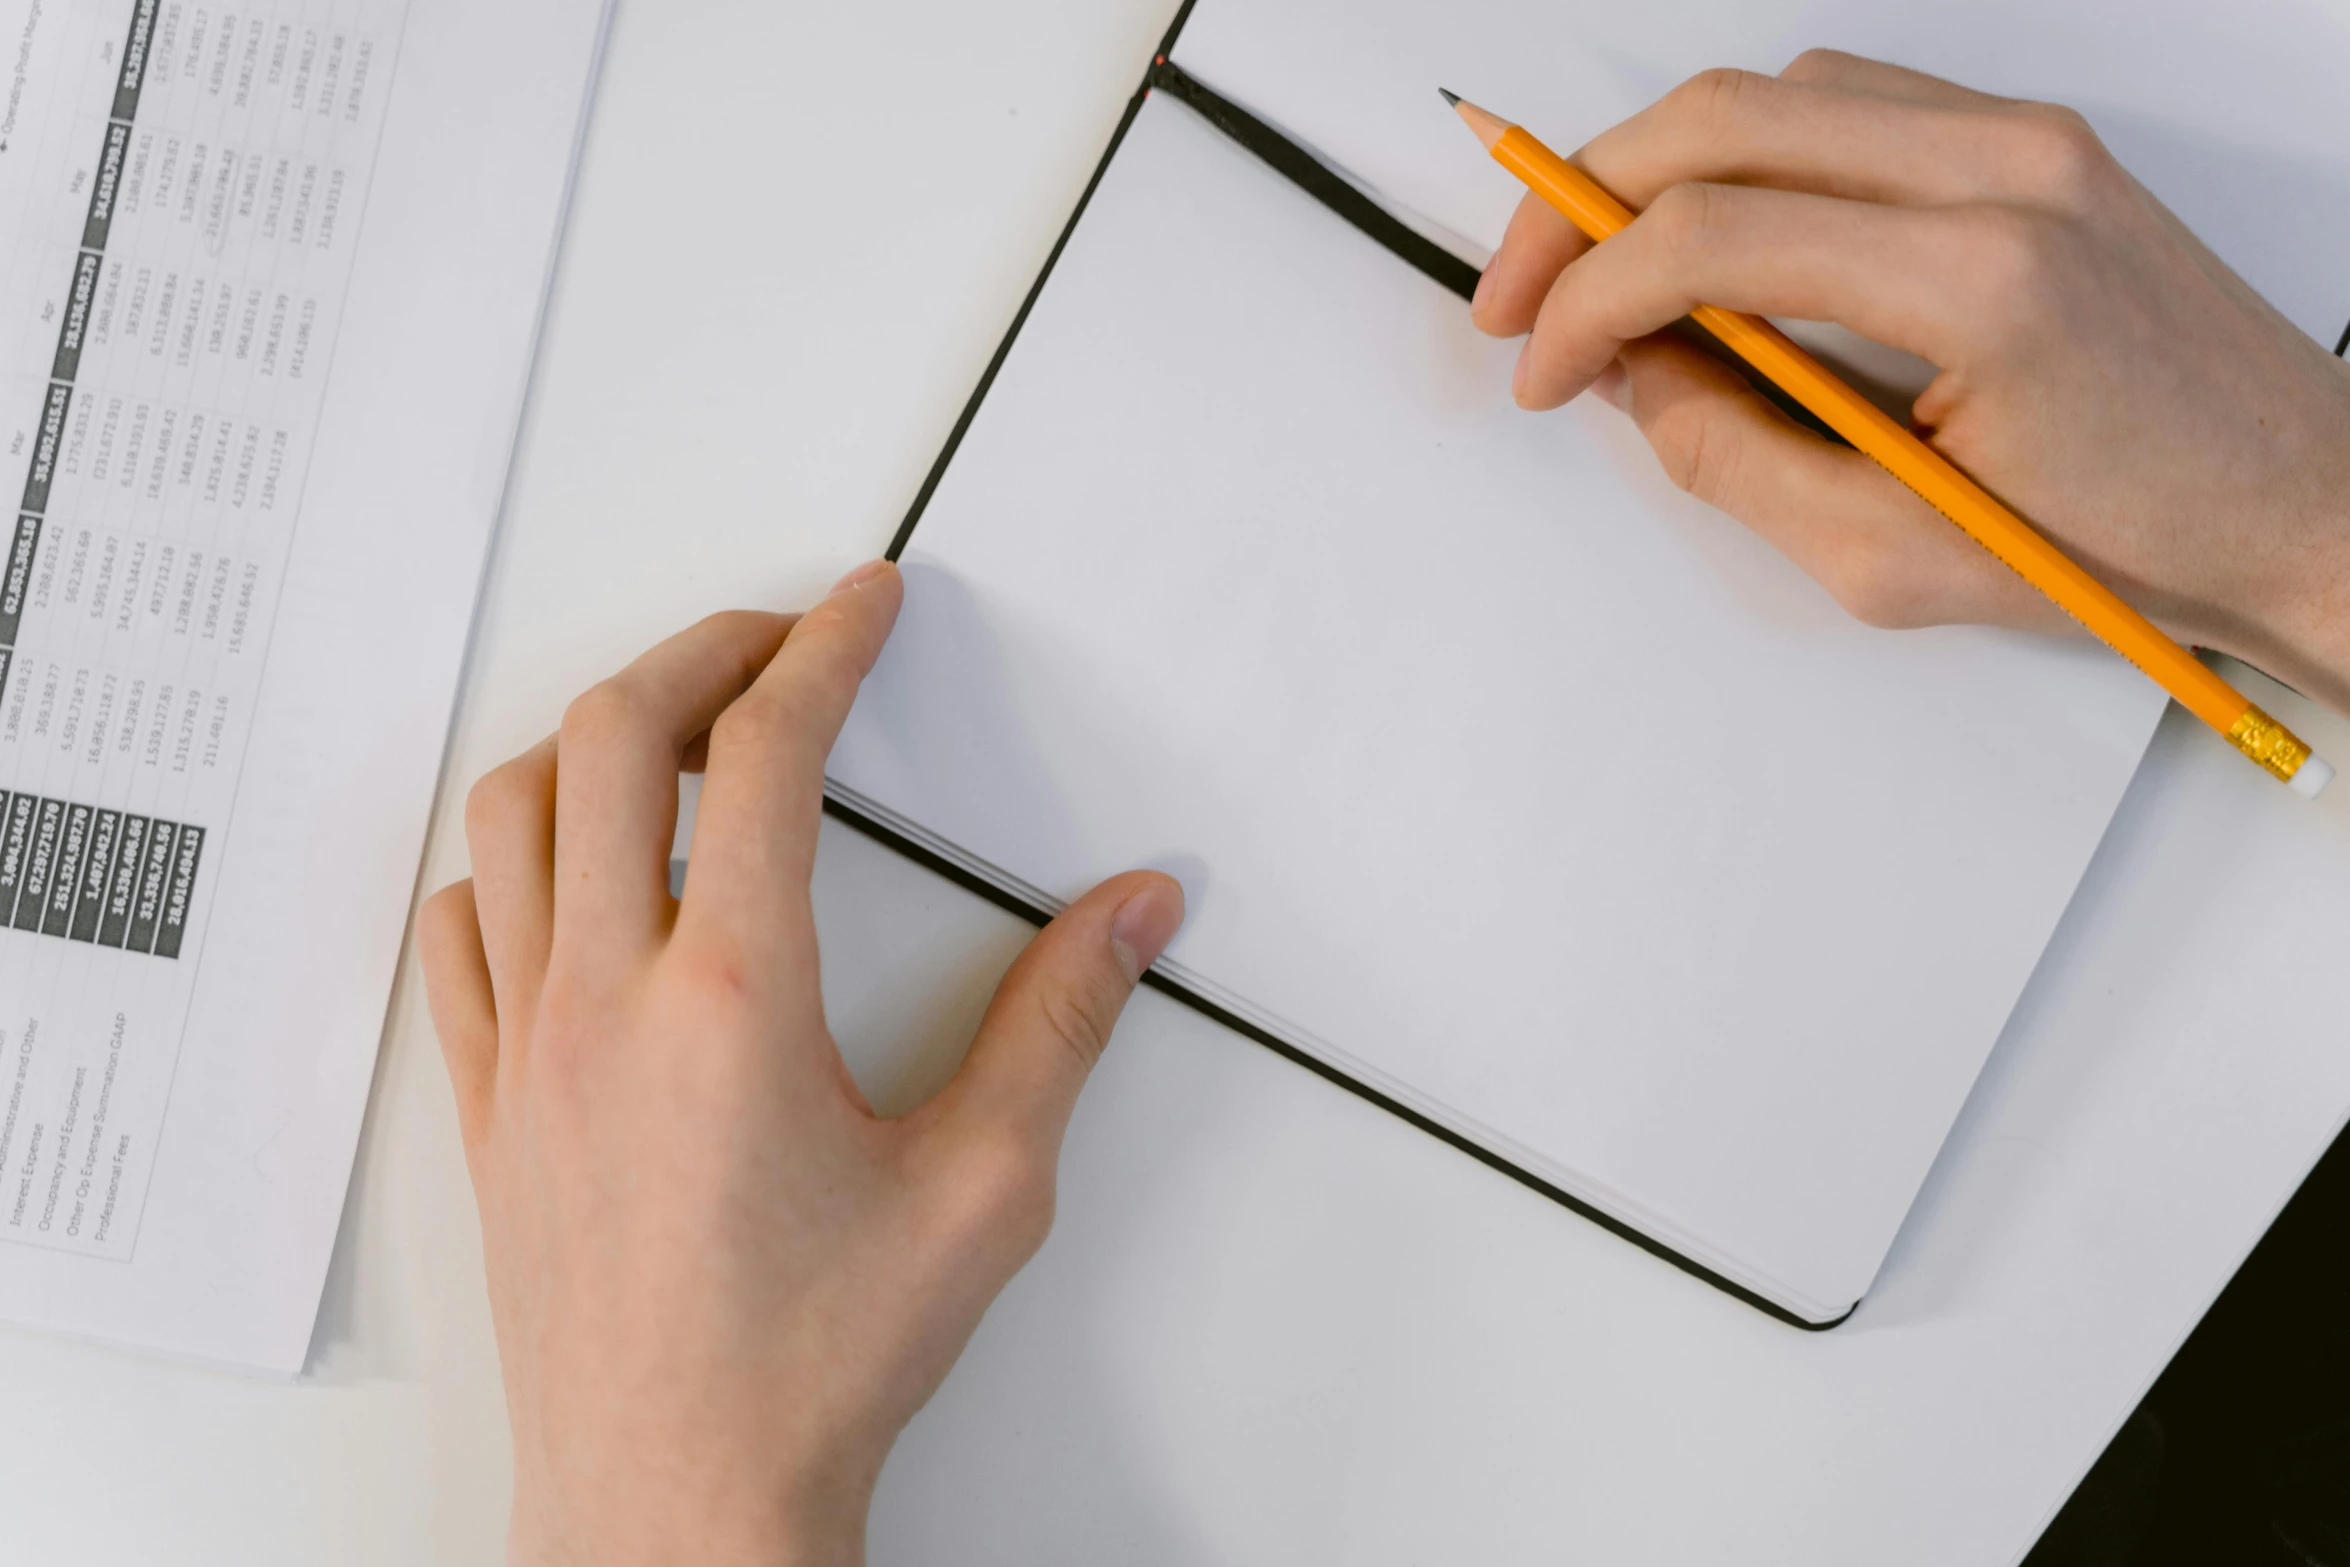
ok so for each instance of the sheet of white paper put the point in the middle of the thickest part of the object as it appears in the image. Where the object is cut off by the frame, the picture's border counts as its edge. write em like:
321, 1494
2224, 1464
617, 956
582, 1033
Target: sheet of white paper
268, 295
1499, 773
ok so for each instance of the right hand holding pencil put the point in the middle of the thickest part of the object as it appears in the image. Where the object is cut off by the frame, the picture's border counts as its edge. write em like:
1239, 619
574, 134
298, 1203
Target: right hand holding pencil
2101, 370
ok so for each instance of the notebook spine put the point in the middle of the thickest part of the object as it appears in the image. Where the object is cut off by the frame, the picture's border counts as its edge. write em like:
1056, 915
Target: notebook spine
1317, 179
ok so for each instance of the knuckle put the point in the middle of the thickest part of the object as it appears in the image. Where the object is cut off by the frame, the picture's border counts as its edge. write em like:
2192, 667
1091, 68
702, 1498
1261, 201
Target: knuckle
441, 919
770, 733
1878, 587
737, 622
832, 640
2013, 257
1004, 1189
486, 804
714, 974
1722, 93
608, 711
2059, 155
1698, 452
756, 721
1078, 1020
711, 988
499, 800
824, 630
1684, 217
1816, 64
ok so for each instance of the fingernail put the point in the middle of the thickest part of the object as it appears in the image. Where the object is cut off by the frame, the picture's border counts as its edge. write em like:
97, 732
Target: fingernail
1614, 386
1484, 287
1143, 926
1518, 376
862, 575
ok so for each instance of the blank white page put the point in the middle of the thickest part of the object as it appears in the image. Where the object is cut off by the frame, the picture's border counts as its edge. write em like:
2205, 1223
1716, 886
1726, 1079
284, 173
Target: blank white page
1499, 774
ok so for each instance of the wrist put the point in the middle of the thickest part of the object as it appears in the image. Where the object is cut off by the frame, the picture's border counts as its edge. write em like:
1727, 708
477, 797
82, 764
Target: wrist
2300, 632
706, 1544
2314, 623
2277, 592
821, 1527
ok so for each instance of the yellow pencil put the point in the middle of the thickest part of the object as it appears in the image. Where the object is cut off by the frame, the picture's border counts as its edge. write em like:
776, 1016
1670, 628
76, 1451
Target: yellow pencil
1598, 214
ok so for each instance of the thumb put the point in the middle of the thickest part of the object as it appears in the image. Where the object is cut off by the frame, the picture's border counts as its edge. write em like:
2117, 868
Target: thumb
1052, 1016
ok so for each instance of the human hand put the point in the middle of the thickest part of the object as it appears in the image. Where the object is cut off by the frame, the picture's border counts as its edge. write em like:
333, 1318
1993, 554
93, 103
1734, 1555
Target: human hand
721, 1283
2101, 370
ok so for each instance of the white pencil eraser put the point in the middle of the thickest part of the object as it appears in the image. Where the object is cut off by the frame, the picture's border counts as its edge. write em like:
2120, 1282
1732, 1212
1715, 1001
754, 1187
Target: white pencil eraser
2310, 779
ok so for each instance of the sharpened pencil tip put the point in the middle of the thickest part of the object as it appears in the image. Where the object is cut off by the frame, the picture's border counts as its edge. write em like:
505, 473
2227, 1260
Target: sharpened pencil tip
1490, 128
1449, 96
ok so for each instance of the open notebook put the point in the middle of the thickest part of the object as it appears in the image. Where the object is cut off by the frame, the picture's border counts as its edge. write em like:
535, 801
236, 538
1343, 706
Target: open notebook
1509, 786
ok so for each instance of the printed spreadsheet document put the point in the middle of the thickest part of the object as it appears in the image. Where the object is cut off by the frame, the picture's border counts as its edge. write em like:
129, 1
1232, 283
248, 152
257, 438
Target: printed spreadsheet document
255, 444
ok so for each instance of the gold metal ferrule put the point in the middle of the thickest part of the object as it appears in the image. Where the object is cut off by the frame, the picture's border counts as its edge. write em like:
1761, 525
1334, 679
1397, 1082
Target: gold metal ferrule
2269, 743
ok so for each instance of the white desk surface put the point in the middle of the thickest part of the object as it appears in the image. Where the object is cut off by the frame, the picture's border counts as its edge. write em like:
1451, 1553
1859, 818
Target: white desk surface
1274, 1325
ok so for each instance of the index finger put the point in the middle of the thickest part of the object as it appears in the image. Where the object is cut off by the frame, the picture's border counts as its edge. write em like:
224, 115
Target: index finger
1825, 135
616, 765
1835, 68
1833, 125
754, 842
1914, 279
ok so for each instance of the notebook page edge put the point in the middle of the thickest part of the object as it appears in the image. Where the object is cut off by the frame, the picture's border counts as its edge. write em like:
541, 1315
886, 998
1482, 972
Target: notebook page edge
1679, 1246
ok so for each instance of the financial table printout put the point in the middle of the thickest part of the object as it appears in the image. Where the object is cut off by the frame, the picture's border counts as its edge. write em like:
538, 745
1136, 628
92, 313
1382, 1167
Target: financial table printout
185, 190
186, 231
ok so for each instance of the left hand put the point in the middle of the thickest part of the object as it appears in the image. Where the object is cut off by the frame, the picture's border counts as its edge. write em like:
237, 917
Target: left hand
721, 1283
